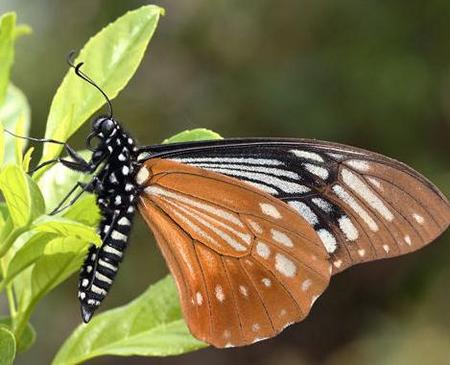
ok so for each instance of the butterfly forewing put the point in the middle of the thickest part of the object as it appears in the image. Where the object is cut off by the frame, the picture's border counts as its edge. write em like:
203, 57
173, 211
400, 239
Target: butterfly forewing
246, 264
362, 205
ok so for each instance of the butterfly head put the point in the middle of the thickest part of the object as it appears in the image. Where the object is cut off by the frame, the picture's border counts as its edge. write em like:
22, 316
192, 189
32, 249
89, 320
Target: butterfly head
104, 127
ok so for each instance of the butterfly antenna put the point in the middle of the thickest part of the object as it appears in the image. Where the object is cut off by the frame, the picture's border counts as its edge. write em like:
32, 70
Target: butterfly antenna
82, 75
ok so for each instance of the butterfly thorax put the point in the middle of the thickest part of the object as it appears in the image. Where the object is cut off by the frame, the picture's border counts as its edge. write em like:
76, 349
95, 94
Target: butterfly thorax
116, 193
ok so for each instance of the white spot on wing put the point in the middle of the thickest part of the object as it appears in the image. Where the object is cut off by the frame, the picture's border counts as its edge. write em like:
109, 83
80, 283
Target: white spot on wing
236, 160
319, 171
219, 293
337, 263
255, 226
266, 281
359, 165
361, 252
306, 284
199, 298
282, 238
375, 182
419, 219
270, 210
408, 240
142, 175
363, 190
347, 227
243, 290
322, 204
280, 183
262, 250
328, 240
305, 211
263, 169
307, 155
285, 266
342, 194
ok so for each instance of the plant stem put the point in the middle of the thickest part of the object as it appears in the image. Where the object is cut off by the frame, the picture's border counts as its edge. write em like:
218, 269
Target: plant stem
9, 292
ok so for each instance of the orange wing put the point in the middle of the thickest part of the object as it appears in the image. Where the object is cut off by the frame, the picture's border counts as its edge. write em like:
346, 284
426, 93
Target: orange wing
246, 264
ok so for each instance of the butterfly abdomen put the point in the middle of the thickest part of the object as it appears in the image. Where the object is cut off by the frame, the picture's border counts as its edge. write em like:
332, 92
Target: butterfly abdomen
116, 196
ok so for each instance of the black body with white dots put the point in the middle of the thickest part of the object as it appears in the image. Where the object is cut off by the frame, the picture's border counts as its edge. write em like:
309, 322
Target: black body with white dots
116, 193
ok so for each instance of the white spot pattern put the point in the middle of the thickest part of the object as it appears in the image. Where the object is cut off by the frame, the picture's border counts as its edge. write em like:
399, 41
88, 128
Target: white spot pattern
319, 171
363, 190
285, 266
281, 237
342, 194
219, 293
305, 211
262, 250
142, 175
328, 240
270, 210
307, 155
348, 228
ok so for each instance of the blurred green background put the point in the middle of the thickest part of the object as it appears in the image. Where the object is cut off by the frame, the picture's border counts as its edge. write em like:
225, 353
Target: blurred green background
374, 74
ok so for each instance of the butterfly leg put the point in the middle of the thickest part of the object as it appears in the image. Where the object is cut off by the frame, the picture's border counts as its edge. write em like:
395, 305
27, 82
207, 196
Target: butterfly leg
89, 187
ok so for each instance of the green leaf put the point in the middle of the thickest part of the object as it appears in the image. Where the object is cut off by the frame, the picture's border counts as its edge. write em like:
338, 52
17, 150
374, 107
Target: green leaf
14, 108
22, 196
27, 159
21, 30
7, 36
2, 144
64, 227
151, 325
57, 182
26, 340
112, 57
27, 255
7, 346
19, 143
198, 134
60, 259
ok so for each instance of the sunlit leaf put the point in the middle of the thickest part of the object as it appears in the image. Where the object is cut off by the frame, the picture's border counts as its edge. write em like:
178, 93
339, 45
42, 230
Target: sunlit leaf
58, 181
20, 143
64, 227
151, 325
7, 29
112, 56
60, 259
27, 254
2, 144
22, 196
27, 159
7, 346
27, 337
198, 134
12, 110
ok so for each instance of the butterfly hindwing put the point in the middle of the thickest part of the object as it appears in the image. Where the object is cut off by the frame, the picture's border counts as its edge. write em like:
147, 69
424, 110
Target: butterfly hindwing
362, 205
246, 264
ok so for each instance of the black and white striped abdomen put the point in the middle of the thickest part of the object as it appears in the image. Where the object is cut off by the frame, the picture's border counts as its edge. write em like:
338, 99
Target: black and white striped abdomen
116, 196
102, 263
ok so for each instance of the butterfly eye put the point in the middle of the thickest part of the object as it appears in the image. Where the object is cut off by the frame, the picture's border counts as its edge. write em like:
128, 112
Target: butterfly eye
107, 127
103, 125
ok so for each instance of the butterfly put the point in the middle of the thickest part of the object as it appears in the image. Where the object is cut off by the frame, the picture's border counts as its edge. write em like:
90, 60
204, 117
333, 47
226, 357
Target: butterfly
252, 229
